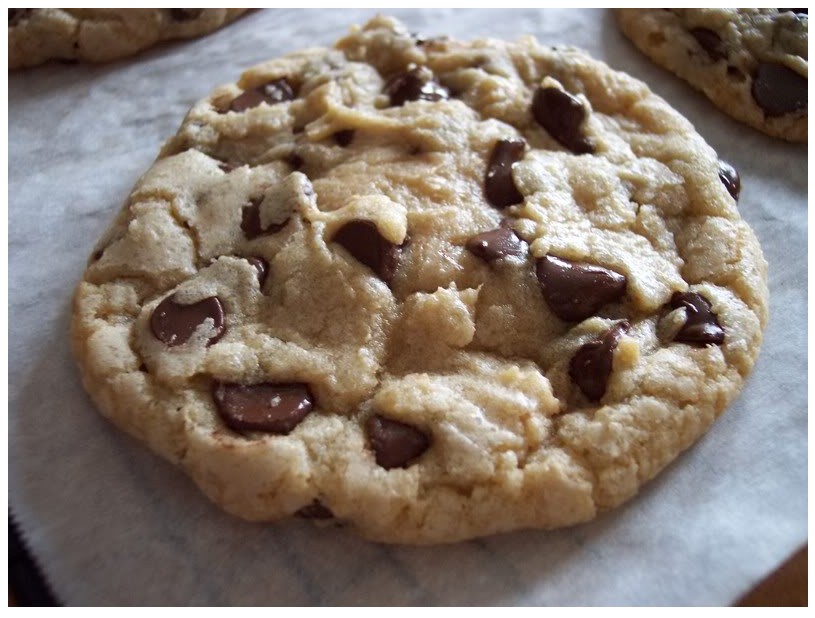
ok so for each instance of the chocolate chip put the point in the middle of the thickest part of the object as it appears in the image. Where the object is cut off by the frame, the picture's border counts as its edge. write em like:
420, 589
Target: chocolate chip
499, 186
779, 90
344, 138
295, 160
730, 179
173, 323
496, 244
701, 325
250, 221
591, 365
710, 42
562, 115
414, 85
575, 291
275, 91
185, 14
395, 444
362, 240
15, 16
269, 407
315, 510
260, 265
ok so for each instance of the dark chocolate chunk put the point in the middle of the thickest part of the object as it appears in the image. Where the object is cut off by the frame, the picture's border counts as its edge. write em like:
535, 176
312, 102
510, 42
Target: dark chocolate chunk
701, 325
174, 323
711, 42
362, 240
590, 367
562, 115
315, 510
730, 179
185, 14
499, 186
414, 85
779, 90
269, 407
260, 265
250, 221
275, 91
395, 444
575, 291
344, 138
15, 16
496, 244
295, 160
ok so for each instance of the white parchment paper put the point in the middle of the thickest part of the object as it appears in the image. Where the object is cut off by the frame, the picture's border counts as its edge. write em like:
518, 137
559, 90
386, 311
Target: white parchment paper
113, 524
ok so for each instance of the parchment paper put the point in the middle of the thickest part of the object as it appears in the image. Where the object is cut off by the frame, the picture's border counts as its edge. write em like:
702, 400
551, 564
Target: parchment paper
113, 524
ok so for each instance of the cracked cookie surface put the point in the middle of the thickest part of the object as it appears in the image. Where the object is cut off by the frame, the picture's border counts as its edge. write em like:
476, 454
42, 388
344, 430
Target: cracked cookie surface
751, 63
427, 288
102, 35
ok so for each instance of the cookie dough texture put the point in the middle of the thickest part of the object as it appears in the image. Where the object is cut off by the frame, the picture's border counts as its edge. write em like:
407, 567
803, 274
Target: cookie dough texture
102, 35
463, 357
730, 53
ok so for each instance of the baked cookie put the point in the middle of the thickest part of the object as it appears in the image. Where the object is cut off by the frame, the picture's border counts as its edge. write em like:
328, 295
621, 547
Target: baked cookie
102, 35
752, 63
428, 288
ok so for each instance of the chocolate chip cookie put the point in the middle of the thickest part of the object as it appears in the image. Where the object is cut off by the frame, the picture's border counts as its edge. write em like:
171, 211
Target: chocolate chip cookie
752, 63
102, 35
425, 288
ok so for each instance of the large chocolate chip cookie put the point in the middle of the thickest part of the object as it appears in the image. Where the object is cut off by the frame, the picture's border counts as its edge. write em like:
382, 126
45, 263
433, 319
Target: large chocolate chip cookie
432, 289
752, 63
102, 35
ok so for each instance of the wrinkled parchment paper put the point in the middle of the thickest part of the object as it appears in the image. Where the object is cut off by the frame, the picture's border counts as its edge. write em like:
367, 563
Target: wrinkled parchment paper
111, 523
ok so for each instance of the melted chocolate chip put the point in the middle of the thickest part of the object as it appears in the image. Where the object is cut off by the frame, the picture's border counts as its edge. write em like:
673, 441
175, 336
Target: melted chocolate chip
562, 115
499, 186
315, 510
710, 42
15, 16
395, 444
362, 240
701, 325
575, 291
275, 91
730, 179
414, 85
173, 323
591, 365
496, 244
295, 160
260, 265
185, 14
268, 407
344, 138
779, 90
250, 221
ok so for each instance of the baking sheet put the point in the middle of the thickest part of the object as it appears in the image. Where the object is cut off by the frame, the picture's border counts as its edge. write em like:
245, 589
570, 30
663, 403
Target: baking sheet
113, 524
